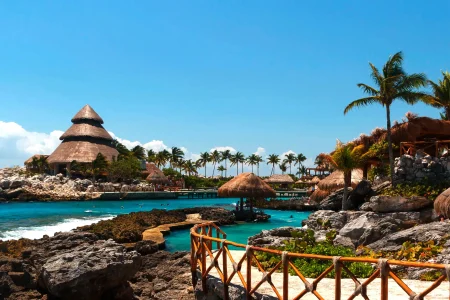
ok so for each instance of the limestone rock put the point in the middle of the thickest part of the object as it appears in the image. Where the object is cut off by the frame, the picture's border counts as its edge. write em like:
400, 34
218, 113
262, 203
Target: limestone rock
274, 237
343, 241
435, 231
396, 204
321, 218
87, 272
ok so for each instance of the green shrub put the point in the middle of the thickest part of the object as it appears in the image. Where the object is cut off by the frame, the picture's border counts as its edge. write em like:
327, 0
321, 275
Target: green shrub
426, 188
304, 242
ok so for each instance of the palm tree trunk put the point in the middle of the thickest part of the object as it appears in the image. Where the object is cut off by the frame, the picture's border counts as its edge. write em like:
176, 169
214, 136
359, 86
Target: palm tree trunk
214, 169
242, 167
273, 167
225, 168
205, 170
447, 113
252, 168
347, 179
391, 152
290, 168
237, 169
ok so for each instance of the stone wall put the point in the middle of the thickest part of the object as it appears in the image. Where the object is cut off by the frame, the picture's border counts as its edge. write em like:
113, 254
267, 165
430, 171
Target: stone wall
420, 167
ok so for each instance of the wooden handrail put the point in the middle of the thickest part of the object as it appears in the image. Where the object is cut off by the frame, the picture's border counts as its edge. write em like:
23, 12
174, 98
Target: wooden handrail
201, 249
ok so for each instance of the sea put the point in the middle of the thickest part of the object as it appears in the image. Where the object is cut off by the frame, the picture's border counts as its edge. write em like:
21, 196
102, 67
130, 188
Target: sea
33, 220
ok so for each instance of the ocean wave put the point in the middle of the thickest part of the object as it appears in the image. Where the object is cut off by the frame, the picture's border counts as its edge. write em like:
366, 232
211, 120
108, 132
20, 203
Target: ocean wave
37, 232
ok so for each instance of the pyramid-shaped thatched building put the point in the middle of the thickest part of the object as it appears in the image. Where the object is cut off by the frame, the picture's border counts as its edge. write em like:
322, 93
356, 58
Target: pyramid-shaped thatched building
82, 141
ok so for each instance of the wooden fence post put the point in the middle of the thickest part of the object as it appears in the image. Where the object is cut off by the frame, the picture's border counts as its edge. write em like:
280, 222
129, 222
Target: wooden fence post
203, 259
285, 259
384, 274
248, 252
193, 262
225, 270
337, 278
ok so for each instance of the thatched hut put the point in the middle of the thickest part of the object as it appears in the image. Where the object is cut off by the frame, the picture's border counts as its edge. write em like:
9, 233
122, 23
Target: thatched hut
82, 142
442, 204
284, 180
335, 181
318, 195
155, 175
246, 185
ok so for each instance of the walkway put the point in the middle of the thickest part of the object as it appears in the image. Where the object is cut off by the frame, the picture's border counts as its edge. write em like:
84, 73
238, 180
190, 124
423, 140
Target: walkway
326, 286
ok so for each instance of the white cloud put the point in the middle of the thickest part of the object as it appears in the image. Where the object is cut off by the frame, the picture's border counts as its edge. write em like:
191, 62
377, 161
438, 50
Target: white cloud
17, 144
283, 155
260, 151
223, 148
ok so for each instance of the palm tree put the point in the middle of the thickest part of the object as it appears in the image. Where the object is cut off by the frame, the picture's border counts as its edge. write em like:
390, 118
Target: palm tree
221, 169
346, 158
204, 159
302, 171
123, 151
441, 95
189, 167
226, 155
252, 160
234, 161
289, 159
99, 165
198, 165
161, 158
138, 152
215, 158
283, 167
176, 154
393, 84
274, 160
299, 159
151, 156
259, 160
241, 159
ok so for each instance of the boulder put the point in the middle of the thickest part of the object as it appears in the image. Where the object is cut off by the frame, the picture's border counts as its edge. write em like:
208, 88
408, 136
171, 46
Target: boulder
370, 227
5, 183
14, 193
343, 241
396, 204
334, 200
146, 247
274, 237
88, 271
436, 231
362, 191
16, 183
324, 219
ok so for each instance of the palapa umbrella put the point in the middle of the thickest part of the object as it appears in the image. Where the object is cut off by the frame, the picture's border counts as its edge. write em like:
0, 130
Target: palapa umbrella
279, 179
155, 175
335, 181
246, 185
315, 180
442, 204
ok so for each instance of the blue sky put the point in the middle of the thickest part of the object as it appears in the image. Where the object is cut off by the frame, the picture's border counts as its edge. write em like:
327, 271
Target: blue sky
204, 74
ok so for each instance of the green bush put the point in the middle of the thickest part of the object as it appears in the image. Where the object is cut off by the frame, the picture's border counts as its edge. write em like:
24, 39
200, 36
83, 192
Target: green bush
426, 188
304, 242
125, 169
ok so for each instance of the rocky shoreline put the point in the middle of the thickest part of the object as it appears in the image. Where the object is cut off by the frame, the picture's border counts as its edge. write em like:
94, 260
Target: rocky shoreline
106, 260
15, 185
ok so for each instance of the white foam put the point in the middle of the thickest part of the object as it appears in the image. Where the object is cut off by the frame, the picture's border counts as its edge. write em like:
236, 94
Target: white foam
38, 232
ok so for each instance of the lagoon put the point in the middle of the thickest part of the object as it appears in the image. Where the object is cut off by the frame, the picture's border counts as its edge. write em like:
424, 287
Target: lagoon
35, 219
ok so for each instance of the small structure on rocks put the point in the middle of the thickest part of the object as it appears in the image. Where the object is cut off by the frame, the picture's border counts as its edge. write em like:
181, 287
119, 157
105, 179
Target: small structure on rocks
246, 185
82, 142
155, 175
285, 181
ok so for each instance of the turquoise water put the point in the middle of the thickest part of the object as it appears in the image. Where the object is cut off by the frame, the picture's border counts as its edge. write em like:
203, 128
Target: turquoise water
35, 219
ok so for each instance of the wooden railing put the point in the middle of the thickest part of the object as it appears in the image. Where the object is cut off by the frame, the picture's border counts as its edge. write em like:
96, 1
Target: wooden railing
205, 236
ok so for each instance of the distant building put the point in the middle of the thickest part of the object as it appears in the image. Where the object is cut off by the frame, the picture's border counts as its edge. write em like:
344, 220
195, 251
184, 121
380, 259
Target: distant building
82, 142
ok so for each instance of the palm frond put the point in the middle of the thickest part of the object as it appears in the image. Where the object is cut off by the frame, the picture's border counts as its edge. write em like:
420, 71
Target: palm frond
393, 66
362, 102
376, 76
368, 89
412, 97
413, 81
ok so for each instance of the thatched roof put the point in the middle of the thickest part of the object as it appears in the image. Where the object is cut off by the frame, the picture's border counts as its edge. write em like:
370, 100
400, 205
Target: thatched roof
315, 180
81, 151
279, 179
155, 175
87, 113
442, 204
318, 195
89, 130
84, 140
37, 156
336, 180
246, 185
